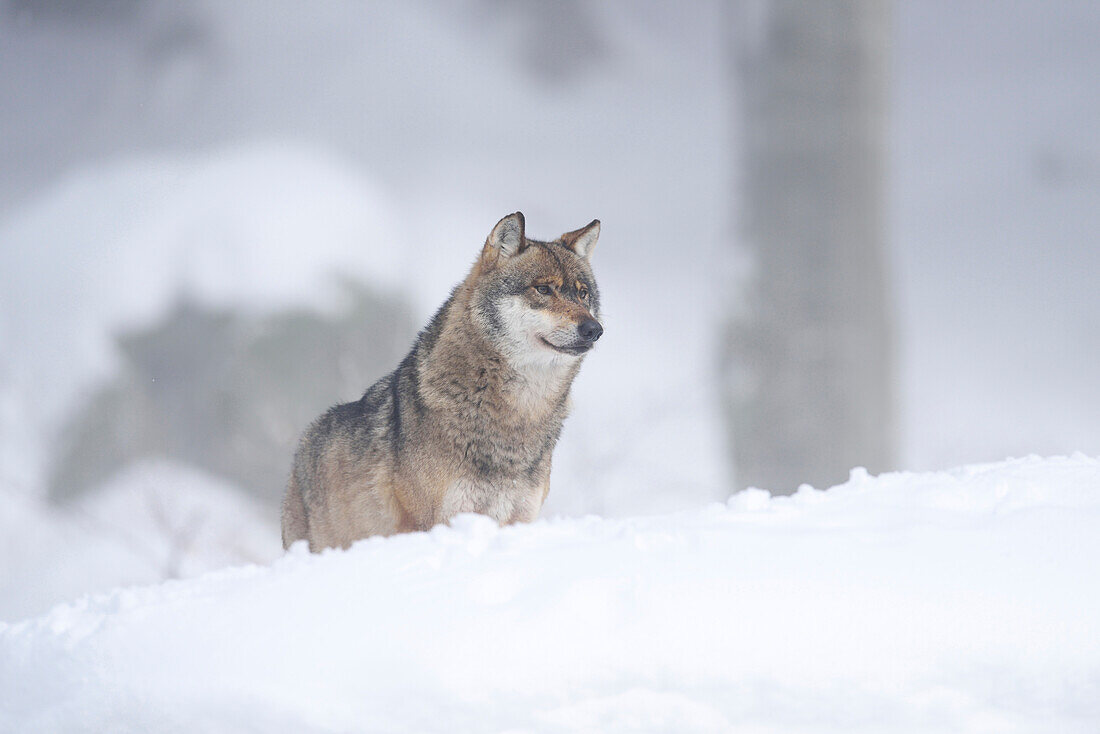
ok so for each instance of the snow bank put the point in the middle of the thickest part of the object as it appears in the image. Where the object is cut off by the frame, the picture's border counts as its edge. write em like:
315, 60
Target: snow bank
958, 601
154, 520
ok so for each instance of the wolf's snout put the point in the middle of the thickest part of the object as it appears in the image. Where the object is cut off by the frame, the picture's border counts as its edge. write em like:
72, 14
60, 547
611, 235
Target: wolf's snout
590, 330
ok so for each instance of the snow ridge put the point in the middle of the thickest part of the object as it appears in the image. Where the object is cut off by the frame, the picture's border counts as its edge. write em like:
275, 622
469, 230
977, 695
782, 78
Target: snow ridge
948, 601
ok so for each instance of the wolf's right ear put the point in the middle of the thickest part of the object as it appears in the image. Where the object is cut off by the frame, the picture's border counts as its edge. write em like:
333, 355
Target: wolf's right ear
583, 240
506, 239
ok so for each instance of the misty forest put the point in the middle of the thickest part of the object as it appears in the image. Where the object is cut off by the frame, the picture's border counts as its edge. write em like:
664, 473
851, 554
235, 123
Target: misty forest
833, 465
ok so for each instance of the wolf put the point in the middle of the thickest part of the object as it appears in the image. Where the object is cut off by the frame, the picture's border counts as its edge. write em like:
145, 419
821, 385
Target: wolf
469, 420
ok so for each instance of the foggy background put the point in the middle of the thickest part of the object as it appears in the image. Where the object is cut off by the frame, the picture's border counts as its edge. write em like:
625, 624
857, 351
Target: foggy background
834, 234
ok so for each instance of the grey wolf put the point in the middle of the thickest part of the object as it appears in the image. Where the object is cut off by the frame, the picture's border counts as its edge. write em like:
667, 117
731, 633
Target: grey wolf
469, 420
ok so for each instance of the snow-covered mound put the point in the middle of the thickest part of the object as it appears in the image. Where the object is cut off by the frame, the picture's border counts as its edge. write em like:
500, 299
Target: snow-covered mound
957, 601
154, 520
258, 226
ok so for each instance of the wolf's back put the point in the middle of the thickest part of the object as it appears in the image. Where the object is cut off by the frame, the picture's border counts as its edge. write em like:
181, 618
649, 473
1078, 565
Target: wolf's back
337, 448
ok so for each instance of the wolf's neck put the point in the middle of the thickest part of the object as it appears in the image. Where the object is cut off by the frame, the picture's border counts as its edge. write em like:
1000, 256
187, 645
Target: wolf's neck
541, 385
464, 369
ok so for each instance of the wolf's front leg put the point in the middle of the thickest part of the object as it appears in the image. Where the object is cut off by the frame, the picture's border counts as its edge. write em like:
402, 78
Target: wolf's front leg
526, 509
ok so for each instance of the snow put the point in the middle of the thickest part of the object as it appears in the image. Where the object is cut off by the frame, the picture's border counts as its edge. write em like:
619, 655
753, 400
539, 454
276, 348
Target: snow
153, 520
949, 601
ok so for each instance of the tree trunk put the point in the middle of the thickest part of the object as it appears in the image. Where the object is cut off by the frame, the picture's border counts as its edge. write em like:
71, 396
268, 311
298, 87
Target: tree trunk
809, 358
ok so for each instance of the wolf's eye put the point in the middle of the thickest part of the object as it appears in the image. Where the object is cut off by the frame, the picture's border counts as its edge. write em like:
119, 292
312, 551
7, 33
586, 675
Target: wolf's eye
543, 289
583, 293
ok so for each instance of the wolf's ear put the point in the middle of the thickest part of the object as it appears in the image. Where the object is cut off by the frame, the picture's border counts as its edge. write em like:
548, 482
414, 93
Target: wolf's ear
506, 239
581, 241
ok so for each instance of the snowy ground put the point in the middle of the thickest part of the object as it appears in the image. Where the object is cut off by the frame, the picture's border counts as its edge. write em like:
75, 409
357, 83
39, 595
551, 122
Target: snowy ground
955, 601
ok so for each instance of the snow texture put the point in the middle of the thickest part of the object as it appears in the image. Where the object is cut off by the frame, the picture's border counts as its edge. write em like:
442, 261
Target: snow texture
953, 601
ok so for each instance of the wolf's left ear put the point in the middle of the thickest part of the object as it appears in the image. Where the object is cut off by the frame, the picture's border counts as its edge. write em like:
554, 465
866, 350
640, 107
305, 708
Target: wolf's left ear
581, 241
506, 239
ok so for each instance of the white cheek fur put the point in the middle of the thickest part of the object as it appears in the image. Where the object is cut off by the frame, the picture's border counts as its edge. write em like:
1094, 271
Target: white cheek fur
521, 322
525, 327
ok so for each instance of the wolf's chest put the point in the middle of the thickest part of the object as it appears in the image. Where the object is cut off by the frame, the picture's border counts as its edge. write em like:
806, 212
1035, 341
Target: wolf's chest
504, 501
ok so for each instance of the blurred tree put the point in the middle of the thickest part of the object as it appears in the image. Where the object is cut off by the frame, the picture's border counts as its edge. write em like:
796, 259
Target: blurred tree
229, 393
808, 360
556, 42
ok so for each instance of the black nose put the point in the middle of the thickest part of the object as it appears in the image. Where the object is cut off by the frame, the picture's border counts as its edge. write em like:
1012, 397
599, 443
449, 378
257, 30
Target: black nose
590, 330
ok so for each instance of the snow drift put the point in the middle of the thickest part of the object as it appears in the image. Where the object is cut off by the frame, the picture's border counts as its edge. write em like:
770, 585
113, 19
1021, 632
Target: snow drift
956, 601
155, 520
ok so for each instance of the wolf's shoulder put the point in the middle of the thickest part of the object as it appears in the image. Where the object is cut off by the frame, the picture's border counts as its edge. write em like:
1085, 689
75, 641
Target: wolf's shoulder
357, 414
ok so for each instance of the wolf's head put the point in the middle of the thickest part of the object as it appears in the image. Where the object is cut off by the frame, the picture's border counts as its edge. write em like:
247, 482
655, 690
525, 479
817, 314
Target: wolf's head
538, 301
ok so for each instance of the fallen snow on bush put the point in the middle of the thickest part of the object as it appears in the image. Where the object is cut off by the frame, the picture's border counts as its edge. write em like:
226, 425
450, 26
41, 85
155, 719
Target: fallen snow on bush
259, 227
154, 520
956, 601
